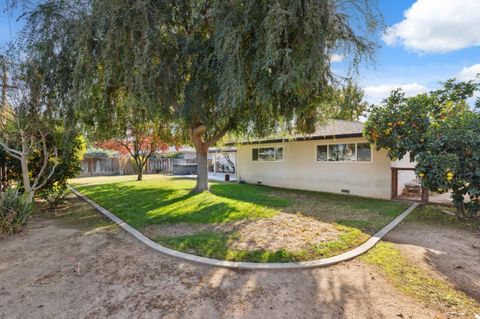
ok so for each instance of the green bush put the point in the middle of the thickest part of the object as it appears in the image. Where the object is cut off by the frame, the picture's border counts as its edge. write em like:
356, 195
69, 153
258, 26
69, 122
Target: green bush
54, 193
14, 212
71, 153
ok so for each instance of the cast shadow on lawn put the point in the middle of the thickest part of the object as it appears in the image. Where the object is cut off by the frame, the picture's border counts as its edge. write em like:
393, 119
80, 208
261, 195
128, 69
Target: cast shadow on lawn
142, 206
366, 214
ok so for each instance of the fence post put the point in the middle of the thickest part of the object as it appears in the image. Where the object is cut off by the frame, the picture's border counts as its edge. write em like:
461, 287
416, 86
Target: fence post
394, 178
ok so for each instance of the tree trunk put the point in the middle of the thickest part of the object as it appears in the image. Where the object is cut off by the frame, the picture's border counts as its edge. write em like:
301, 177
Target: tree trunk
26, 178
202, 169
3, 178
139, 165
201, 149
460, 210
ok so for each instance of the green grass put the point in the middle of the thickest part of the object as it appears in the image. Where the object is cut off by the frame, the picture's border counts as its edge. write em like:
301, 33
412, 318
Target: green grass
434, 215
416, 282
169, 200
367, 214
217, 245
161, 200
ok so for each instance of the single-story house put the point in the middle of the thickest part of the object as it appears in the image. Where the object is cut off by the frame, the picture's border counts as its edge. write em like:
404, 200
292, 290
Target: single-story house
336, 158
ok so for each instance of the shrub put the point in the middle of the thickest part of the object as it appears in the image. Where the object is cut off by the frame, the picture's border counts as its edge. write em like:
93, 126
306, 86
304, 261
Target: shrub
70, 155
54, 193
14, 212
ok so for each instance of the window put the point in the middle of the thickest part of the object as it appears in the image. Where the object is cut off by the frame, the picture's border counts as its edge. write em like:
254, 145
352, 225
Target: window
341, 152
267, 154
344, 152
279, 153
255, 154
364, 152
322, 152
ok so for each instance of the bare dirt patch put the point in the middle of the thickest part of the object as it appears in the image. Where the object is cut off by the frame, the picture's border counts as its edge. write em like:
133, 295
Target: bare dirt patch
56, 270
284, 231
449, 253
292, 232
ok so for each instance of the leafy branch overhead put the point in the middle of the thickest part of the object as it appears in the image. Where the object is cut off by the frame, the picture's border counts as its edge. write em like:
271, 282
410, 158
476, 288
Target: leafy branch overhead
212, 67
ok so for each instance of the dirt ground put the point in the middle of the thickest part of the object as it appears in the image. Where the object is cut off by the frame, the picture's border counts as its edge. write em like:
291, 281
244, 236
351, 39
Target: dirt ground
58, 269
452, 254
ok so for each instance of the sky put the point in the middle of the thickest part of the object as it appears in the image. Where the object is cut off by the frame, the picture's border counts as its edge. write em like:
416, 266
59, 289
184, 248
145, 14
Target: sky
426, 41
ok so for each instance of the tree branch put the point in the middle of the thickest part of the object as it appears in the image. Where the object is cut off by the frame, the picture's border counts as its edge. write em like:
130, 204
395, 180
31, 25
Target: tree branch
49, 175
14, 153
219, 135
199, 130
126, 146
45, 162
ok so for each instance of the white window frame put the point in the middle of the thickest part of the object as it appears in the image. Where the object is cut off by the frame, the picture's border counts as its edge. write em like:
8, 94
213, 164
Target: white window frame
344, 162
266, 161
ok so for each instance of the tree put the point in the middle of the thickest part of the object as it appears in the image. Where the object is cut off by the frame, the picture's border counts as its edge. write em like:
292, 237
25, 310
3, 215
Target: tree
39, 129
27, 126
212, 67
348, 102
70, 154
209, 67
440, 132
452, 160
140, 142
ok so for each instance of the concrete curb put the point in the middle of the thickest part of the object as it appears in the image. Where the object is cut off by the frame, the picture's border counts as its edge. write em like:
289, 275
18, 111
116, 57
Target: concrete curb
248, 265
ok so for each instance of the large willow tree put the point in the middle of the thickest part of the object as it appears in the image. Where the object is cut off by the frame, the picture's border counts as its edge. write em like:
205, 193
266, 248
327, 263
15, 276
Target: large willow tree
211, 67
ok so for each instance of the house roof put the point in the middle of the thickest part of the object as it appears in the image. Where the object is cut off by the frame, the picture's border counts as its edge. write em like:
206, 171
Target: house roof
330, 129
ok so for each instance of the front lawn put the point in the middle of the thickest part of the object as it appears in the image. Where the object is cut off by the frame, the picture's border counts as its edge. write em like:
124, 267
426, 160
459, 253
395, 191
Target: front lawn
241, 222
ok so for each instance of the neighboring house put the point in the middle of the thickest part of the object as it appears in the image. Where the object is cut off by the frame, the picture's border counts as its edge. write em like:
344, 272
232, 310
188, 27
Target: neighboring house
336, 158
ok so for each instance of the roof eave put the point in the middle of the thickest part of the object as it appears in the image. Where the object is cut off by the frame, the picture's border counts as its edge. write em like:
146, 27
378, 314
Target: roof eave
299, 139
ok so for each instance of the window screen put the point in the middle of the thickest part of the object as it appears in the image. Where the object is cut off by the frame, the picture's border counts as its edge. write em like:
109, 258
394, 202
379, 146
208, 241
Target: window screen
341, 152
322, 152
254, 154
279, 153
364, 152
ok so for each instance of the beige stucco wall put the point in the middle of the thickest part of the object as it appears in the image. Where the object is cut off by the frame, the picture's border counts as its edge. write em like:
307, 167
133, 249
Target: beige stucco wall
299, 169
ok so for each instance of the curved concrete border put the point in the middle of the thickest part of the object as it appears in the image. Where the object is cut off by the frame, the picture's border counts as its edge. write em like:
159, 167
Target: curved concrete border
248, 265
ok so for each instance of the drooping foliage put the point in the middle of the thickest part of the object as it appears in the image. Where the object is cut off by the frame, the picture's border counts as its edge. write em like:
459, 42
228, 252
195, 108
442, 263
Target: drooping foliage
205, 67
41, 133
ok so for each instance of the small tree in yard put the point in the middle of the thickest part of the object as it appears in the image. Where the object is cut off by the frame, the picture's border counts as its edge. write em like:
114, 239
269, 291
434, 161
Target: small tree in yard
71, 148
140, 142
440, 132
27, 126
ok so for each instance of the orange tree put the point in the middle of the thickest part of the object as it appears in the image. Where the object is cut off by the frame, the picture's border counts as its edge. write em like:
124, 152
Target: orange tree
440, 132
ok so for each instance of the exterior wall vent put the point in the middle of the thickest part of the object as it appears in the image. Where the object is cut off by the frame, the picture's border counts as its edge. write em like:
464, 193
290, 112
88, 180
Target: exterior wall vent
345, 191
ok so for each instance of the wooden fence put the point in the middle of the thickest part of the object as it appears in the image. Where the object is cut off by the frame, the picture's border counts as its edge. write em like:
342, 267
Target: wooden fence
99, 166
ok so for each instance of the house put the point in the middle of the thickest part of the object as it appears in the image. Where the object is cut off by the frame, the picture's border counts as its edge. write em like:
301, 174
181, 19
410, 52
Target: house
220, 160
336, 158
